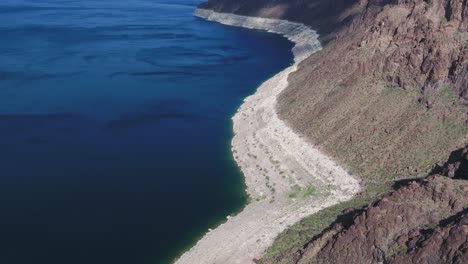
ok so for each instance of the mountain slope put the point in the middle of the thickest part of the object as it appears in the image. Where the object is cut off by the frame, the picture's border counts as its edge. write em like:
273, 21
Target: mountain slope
388, 98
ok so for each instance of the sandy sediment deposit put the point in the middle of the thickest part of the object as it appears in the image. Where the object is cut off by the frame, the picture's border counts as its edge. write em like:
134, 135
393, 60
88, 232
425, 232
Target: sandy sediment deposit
287, 178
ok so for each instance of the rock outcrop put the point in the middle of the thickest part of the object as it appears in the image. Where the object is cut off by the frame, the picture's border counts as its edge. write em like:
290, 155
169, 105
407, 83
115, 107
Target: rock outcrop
420, 223
445, 244
416, 44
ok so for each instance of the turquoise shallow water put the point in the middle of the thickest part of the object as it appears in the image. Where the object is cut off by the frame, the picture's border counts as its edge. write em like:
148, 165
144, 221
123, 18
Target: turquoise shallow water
115, 127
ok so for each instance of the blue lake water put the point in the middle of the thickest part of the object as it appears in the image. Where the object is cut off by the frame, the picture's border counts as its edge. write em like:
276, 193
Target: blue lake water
115, 127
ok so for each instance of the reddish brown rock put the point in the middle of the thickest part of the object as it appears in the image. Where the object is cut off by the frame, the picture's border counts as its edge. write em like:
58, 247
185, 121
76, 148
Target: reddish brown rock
446, 244
420, 223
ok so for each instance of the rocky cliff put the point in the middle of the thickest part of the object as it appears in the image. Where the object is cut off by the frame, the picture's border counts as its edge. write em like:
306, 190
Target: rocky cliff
415, 44
424, 221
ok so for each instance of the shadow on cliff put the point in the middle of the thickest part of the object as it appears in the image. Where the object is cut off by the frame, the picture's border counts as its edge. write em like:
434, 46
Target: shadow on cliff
456, 166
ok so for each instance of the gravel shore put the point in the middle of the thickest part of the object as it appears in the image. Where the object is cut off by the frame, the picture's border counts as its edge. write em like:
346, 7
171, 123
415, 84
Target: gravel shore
287, 178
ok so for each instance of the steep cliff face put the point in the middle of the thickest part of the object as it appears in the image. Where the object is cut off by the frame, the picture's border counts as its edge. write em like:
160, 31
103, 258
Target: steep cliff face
416, 44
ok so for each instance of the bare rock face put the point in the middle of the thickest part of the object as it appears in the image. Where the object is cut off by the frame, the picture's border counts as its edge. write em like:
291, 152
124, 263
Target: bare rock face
420, 44
415, 44
444, 244
410, 225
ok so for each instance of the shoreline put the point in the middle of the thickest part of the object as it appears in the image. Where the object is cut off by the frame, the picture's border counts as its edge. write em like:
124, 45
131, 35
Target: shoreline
286, 177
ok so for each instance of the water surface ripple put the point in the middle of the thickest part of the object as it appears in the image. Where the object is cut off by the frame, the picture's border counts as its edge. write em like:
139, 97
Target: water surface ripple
115, 127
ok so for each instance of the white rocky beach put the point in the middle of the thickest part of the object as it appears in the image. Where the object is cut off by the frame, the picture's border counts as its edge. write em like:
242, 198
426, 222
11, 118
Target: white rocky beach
286, 177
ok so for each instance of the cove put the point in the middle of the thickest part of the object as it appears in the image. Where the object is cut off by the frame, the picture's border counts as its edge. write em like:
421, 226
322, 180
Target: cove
115, 122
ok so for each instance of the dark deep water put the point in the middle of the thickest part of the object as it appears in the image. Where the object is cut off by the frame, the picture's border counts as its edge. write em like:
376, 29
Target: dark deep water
115, 127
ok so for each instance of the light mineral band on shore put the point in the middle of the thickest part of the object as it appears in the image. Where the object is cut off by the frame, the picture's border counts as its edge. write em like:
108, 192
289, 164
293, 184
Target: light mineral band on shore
287, 178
